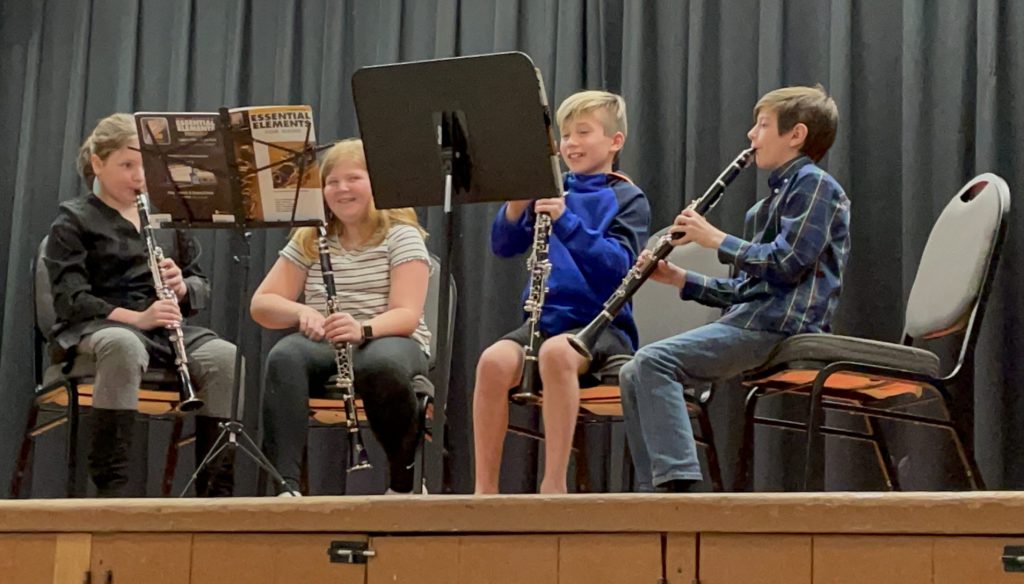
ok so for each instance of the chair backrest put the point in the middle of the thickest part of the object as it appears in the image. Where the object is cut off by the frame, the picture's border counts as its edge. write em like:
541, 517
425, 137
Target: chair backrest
45, 316
657, 309
431, 308
42, 292
959, 260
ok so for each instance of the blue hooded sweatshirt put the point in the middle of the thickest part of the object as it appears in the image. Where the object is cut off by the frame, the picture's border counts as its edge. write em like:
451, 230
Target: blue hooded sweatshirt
593, 244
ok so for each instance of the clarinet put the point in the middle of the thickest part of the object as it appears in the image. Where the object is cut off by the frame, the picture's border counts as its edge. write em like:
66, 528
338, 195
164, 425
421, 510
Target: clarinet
358, 459
540, 268
585, 340
189, 400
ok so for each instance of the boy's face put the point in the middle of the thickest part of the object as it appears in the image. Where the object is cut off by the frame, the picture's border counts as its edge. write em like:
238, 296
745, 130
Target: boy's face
774, 149
585, 147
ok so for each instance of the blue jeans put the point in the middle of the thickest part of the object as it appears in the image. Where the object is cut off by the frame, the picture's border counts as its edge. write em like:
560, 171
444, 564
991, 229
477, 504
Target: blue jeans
657, 425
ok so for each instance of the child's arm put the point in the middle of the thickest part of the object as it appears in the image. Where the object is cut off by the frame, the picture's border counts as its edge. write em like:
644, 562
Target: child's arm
716, 292
275, 304
197, 295
65, 257
806, 217
605, 257
73, 300
510, 233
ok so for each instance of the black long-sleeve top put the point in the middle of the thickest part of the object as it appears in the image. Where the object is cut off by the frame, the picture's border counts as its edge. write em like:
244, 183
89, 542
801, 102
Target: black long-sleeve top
97, 262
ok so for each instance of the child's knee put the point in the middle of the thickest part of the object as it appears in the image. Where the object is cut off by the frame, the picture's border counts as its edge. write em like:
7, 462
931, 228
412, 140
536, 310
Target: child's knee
557, 355
224, 355
627, 375
284, 359
644, 358
120, 345
499, 362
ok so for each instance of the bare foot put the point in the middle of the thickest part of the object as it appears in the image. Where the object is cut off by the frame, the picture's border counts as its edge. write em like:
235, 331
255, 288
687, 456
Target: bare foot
549, 489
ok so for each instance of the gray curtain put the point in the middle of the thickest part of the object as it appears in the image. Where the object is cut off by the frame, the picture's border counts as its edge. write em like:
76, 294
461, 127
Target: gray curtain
925, 89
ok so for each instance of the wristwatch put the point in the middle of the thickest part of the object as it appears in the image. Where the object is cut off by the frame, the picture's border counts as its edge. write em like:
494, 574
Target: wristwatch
367, 333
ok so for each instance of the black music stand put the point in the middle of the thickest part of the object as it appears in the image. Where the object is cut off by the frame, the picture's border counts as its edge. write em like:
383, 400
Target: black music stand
455, 131
233, 433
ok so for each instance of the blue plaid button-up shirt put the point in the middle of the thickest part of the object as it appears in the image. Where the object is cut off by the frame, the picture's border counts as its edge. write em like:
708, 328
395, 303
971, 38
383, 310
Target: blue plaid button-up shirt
790, 272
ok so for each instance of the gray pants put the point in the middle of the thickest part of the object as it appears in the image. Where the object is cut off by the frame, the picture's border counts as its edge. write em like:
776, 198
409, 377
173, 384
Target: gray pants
121, 359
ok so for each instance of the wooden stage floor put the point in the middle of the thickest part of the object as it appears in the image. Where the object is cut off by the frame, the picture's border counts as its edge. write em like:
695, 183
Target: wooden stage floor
835, 538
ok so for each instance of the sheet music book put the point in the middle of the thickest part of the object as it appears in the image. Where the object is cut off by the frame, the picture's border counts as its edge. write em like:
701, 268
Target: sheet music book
185, 159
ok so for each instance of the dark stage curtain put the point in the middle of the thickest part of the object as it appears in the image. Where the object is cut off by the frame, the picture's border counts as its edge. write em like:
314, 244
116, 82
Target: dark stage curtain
926, 89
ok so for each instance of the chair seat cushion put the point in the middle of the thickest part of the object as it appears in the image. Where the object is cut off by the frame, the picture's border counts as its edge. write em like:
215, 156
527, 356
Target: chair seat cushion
606, 400
608, 374
421, 386
158, 392
329, 409
797, 360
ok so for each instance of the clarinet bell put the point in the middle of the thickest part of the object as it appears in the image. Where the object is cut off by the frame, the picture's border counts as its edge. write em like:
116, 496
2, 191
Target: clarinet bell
525, 397
190, 402
584, 341
358, 459
526, 394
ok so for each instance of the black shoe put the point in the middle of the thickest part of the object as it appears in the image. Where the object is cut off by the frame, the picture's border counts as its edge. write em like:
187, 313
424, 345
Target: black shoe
108, 457
677, 486
216, 479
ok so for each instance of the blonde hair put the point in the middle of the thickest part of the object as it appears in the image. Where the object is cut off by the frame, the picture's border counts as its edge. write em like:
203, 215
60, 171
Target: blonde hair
586, 102
111, 134
351, 150
810, 106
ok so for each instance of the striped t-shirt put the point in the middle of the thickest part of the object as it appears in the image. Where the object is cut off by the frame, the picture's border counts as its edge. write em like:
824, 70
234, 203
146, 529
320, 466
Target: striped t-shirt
362, 277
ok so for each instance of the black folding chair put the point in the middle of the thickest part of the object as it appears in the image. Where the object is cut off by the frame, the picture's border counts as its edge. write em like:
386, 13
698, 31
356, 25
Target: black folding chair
63, 389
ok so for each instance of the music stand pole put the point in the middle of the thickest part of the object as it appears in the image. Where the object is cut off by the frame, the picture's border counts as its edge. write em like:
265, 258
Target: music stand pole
233, 434
466, 130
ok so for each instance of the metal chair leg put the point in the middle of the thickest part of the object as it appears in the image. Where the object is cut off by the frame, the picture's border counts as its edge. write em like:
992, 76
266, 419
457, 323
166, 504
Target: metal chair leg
965, 451
579, 440
171, 461
885, 462
814, 463
304, 470
746, 456
25, 452
72, 439
708, 436
423, 406
628, 472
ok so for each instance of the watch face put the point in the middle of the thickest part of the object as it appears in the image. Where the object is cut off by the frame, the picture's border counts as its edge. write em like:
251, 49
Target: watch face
367, 332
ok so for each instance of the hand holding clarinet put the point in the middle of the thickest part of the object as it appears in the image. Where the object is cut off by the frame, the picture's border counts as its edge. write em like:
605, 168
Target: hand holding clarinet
694, 228
691, 219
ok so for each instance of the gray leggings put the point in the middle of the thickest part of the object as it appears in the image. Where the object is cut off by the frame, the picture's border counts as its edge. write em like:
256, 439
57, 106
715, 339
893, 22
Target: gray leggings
121, 358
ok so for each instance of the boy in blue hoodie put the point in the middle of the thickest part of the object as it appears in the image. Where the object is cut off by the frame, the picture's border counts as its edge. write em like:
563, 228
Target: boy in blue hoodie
598, 229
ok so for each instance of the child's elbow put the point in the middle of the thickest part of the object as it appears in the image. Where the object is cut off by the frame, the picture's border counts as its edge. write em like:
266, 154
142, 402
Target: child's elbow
257, 310
504, 250
410, 323
791, 273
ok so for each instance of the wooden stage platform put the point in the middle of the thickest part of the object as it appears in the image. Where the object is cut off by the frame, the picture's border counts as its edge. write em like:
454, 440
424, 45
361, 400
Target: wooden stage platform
833, 538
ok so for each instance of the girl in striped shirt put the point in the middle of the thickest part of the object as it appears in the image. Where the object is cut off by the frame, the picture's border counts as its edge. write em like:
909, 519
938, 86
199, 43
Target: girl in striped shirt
381, 269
